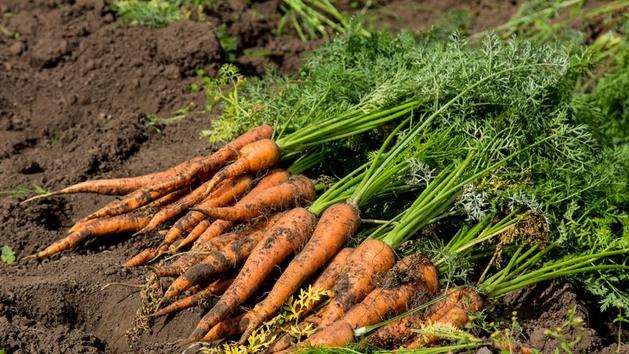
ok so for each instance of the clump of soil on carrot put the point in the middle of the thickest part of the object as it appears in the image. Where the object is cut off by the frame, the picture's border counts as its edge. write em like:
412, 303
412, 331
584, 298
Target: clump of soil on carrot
74, 89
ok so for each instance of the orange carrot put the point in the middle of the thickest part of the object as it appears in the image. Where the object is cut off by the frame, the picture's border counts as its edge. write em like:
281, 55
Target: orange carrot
368, 260
216, 263
213, 289
225, 193
117, 186
337, 223
399, 287
272, 178
100, 228
293, 192
197, 170
286, 236
253, 157
141, 258
223, 329
325, 281
457, 314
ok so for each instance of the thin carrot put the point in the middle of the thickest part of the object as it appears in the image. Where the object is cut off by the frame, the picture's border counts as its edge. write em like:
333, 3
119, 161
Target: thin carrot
118, 224
296, 190
216, 228
225, 193
337, 223
141, 258
223, 329
196, 171
118, 186
286, 236
253, 157
216, 263
213, 289
399, 287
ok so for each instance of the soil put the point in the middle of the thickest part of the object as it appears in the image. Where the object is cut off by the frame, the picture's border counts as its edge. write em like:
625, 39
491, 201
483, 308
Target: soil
75, 90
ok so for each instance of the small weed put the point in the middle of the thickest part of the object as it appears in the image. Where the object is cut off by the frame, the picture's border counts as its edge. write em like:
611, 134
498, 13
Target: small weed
619, 320
153, 13
151, 121
567, 343
8, 257
227, 42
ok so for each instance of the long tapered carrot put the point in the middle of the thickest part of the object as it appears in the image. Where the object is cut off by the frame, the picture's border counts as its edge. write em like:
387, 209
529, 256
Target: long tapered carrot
399, 287
197, 170
273, 178
119, 186
226, 192
324, 281
285, 237
337, 223
364, 265
213, 289
118, 224
253, 157
295, 191
215, 264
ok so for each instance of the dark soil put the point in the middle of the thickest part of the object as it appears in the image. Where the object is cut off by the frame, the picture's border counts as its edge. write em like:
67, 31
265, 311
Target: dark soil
75, 87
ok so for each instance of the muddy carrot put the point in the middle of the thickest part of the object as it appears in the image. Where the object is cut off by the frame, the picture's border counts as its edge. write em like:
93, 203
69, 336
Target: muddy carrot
336, 225
100, 228
285, 237
223, 329
296, 190
213, 289
216, 228
399, 287
215, 264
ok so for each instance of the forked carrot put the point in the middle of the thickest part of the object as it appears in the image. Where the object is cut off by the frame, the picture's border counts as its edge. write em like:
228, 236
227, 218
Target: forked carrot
215, 264
400, 286
337, 223
296, 190
213, 289
118, 224
285, 237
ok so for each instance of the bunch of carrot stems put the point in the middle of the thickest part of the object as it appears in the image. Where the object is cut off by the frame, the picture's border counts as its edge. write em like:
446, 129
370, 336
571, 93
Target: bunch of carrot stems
232, 218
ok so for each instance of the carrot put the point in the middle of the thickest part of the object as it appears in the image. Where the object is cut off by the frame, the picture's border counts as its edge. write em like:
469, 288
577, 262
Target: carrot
286, 236
337, 223
118, 224
325, 281
196, 171
141, 258
272, 178
399, 287
296, 190
253, 157
215, 288
226, 192
215, 264
399, 332
223, 329
117, 186
359, 278
197, 254
457, 314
